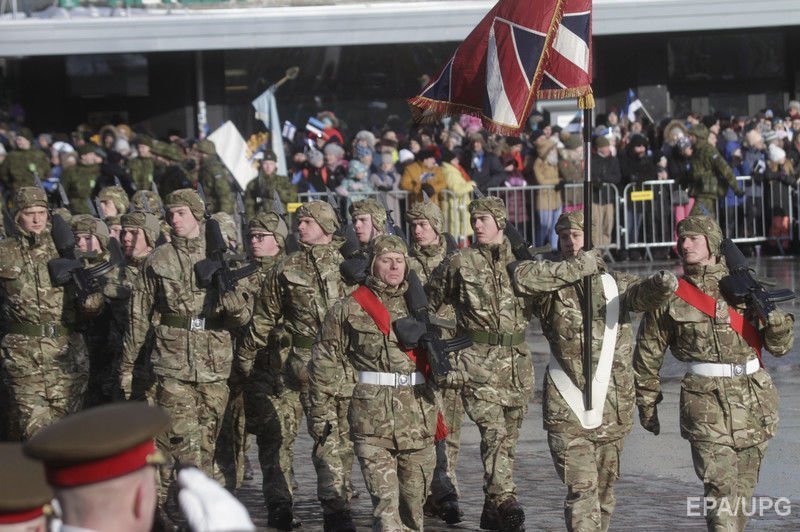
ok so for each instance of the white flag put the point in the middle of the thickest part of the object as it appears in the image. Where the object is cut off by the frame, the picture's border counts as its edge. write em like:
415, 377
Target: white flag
634, 106
267, 111
232, 149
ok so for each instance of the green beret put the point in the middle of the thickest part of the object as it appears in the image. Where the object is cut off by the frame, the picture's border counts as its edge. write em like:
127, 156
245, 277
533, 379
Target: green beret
91, 147
271, 223
372, 207
269, 155
145, 140
99, 444
322, 213
168, 150
187, 197
426, 211
702, 225
24, 493
26, 133
491, 205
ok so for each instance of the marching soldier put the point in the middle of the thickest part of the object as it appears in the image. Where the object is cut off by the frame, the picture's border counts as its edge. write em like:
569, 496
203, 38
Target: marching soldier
114, 203
23, 165
299, 291
215, 178
142, 168
79, 181
369, 220
586, 445
260, 192
729, 404
496, 372
710, 174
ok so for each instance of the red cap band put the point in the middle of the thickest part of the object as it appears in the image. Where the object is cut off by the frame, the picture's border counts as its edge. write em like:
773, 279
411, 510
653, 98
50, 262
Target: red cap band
67, 476
21, 517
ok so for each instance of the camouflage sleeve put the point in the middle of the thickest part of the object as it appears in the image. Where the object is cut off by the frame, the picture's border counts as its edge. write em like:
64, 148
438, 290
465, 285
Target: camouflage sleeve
439, 288
651, 344
286, 190
644, 295
249, 199
224, 193
327, 360
724, 171
778, 333
534, 277
267, 310
136, 332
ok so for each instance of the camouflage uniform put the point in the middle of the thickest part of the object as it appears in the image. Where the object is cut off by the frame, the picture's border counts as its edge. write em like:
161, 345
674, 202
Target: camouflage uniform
44, 362
587, 459
260, 192
79, 181
215, 178
299, 291
710, 175
149, 201
424, 260
142, 169
497, 368
20, 168
174, 174
392, 426
727, 419
134, 369
191, 358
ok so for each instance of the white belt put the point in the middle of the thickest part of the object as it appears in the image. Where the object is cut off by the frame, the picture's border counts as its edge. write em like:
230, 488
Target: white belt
712, 369
390, 379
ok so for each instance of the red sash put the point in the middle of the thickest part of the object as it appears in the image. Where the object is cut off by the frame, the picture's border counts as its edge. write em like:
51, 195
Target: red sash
708, 306
377, 311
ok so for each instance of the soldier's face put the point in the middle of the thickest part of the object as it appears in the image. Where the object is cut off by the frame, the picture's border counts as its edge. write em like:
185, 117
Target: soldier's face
390, 268
310, 231
87, 242
264, 244
114, 231
144, 151
424, 234
23, 143
570, 241
694, 250
485, 227
108, 207
134, 243
269, 167
90, 158
183, 222
364, 228
33, 219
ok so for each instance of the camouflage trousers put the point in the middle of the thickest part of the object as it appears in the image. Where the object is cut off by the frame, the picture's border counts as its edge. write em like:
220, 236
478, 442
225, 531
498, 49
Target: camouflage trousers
196, 410
499, 428
232, 444
398, 482
445, 483
589, 469
44, 379
273, 416
333, 461
729, 478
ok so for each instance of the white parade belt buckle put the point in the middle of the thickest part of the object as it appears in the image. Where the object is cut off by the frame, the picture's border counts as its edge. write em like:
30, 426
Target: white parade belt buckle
197, 324
737, 370
402, 380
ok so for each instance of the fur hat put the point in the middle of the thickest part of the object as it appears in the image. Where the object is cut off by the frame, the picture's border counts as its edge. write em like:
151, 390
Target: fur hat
776, 154
426, 211
187, 197
372, 207
272, 223
491, 205
701, 225
321, 212
146, 222
405, 155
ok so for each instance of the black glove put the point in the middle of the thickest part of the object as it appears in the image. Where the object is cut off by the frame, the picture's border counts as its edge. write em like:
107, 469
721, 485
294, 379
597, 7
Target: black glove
648, 417
739, 193
429, 190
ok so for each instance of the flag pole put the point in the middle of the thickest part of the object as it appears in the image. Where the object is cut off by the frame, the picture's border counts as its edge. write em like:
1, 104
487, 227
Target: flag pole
587, 245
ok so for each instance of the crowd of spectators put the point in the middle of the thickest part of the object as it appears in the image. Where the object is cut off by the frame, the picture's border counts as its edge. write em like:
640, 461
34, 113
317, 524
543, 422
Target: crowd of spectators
458, 155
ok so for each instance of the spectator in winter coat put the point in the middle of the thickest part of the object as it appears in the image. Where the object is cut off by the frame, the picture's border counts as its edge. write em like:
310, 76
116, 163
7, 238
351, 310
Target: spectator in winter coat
605, 170
483, 166
548, 199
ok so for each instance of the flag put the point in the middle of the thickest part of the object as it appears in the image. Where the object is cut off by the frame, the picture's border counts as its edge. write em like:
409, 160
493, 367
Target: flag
632, 104
521, 50
232, 149
267, 111
289, 131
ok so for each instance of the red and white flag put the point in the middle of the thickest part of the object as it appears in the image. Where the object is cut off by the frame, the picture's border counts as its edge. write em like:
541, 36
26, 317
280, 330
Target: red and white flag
521, 50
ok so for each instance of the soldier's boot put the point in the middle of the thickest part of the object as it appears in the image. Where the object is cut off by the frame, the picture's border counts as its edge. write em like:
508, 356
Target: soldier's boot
339, 522
280, 516
449, 511
512, 516
489, 518
430, 508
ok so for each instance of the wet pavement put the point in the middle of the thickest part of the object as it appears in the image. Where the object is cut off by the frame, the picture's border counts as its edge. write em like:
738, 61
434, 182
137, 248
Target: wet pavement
657, 474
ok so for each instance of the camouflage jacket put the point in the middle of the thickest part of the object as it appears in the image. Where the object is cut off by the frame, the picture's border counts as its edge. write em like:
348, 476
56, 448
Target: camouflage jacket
736, 411
259, 194
170, 289
561, 315
710, 175
299, 290
259, 362
15, 172
402, 417
424, 260
78, 182
216, 182
476, 282
142, 171
137, 339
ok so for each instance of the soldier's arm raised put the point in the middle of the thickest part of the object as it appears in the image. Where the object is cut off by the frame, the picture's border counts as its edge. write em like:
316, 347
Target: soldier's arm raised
534, 277
644, 295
